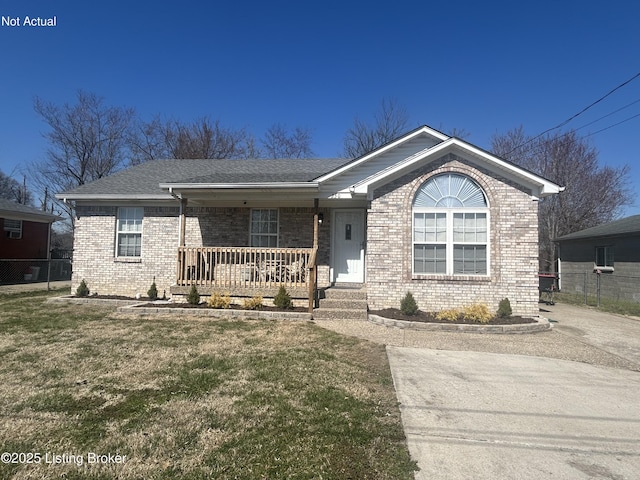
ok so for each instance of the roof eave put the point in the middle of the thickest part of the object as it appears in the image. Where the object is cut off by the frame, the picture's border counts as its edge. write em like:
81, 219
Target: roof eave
112, 196
239, 186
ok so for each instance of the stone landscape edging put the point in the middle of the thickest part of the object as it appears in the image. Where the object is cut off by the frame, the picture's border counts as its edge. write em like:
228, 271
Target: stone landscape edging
215, 312
541, 324
134, 307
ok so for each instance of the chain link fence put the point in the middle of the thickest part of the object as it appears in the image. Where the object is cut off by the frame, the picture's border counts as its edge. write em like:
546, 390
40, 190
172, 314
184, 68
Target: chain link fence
594, 287
16, 271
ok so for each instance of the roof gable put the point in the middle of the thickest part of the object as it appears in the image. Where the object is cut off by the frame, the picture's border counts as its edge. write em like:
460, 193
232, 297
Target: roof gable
414, 150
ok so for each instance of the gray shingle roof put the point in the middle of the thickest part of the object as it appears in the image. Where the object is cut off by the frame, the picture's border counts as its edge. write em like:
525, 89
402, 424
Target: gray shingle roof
624, 226
144, 179
17, 209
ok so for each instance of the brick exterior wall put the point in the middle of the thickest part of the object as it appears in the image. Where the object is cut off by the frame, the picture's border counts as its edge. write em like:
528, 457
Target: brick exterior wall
94, 252
95, 232
513, 246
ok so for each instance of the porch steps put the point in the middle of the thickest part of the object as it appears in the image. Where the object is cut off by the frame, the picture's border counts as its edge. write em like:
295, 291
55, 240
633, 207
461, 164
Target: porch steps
342, 302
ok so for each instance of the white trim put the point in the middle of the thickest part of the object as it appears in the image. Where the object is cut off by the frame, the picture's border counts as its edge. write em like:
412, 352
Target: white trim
243, 186
117, 255
450, 243
540, 186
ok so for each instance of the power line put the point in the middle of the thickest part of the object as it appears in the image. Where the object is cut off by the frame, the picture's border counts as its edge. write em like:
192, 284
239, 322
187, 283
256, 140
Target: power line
577, 114
608, 115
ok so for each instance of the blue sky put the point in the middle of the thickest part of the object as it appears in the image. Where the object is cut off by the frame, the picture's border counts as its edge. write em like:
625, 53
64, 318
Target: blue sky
484, 67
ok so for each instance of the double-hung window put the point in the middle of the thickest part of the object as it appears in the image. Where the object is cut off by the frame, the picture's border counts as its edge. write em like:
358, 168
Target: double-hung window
450, 227
13, 228
264, 227
129, 231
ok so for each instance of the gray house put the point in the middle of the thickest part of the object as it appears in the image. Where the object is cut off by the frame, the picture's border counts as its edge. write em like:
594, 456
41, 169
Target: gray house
610, 251
426, 213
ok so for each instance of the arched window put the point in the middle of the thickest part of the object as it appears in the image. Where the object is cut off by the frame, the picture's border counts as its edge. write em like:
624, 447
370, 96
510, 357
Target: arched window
450, 227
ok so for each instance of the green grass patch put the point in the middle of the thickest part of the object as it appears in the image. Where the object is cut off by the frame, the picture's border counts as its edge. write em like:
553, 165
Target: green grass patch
194, 399
621, 307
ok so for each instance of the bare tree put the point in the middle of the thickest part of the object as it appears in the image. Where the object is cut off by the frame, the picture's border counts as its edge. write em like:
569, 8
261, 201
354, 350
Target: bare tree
12, 190
594, 194
87, 141
389, 123
279, 143
202, 138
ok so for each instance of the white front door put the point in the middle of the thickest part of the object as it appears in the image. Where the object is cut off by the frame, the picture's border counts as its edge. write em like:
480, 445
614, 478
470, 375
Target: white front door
348, 246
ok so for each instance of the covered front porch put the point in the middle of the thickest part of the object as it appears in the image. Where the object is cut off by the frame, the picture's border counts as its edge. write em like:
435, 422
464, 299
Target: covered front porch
247, 271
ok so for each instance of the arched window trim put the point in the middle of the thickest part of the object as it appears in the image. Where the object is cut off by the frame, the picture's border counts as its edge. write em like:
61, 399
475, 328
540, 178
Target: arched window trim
450, 227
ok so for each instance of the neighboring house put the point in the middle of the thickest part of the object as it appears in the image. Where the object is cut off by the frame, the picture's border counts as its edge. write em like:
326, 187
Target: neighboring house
426, 213
25, 235
611, 250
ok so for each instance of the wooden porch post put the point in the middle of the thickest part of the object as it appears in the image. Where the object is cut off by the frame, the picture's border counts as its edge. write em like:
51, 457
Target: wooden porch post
316, 204
183, 221
313, 280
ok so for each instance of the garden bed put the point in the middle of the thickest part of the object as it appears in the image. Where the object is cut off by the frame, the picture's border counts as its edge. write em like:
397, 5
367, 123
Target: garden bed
430, 317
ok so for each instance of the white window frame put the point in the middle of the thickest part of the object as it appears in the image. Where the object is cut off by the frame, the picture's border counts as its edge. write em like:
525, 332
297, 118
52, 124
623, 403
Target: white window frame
129, 213
441, 198
13, 231
253, 234
449, 243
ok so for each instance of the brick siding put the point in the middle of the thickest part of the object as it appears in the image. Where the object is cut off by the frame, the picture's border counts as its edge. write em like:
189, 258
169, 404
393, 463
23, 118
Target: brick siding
513, 246
94, 250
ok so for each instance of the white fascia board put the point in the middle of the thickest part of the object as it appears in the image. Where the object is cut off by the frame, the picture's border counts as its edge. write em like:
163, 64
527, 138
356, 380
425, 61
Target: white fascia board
541, 186
112, 196
381, 150
238, 186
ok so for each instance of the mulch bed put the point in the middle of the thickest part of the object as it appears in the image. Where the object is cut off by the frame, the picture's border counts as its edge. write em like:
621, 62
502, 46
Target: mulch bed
430, 317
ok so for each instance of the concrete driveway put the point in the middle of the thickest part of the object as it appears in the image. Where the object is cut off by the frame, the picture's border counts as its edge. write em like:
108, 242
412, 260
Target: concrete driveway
480, 415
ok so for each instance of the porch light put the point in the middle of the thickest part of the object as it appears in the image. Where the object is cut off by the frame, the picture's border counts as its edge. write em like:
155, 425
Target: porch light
320, 218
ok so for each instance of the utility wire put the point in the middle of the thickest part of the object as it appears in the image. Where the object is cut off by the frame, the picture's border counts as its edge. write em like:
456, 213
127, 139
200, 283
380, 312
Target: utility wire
577, 114
608, 115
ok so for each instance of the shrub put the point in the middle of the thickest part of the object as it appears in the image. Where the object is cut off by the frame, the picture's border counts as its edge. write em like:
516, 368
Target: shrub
450, 315
504, 308
408, 305
478, 312
82, 290
152, 293
219, 301
254, 303
283, 299
194, 297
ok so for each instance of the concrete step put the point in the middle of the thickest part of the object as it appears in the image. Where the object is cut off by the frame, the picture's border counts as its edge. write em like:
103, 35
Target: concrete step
323, 313
344, 303
342, 292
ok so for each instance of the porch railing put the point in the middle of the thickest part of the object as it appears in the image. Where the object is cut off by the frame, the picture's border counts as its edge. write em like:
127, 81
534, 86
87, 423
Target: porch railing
247, 267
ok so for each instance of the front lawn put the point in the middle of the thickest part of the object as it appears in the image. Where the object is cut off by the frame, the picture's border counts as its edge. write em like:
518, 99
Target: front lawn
190, 399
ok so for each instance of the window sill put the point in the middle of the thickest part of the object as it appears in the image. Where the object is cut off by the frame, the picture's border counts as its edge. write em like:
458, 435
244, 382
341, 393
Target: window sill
127, 260
453, 278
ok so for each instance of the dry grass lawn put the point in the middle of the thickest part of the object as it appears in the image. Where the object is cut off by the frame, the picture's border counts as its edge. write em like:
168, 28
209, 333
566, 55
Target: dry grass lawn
190, 399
